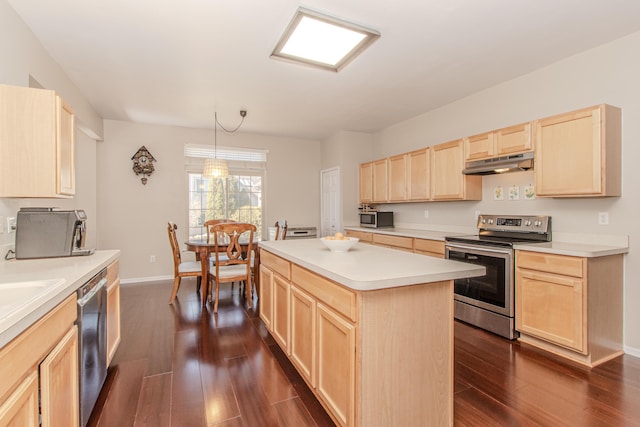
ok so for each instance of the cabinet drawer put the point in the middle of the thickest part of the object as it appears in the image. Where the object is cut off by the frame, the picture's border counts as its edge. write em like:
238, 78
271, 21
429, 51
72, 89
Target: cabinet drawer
395, 241
558, 264
426, 245
275, 263
338, 298
362, 235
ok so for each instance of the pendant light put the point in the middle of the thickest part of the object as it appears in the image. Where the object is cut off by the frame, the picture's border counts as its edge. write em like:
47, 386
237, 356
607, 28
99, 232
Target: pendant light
215, 167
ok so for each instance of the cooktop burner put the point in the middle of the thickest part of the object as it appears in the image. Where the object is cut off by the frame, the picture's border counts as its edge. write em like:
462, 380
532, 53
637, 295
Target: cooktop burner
505, 230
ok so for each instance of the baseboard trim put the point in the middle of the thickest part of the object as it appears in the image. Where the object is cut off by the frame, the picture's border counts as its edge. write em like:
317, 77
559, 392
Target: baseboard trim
632, 351
145, 279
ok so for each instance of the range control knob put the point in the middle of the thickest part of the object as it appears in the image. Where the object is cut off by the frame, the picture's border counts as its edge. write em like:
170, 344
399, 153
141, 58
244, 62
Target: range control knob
528, 223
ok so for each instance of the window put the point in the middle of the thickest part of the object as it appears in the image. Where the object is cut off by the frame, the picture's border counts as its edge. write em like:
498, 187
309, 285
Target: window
237, 197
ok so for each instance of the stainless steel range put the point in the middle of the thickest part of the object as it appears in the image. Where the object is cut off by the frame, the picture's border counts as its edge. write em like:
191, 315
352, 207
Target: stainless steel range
488, 301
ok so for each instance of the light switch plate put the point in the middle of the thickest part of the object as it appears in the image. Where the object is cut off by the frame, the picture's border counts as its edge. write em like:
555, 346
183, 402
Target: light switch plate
11, 224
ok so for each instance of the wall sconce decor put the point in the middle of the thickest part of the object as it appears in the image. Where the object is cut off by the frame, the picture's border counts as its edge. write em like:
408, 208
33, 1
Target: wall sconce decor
143, 163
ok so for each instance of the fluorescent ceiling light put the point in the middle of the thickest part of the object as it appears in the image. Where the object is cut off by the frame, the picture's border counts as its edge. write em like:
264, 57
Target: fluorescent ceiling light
323, 41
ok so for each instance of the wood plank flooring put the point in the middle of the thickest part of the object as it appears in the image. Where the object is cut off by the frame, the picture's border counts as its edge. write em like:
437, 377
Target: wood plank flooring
180, 366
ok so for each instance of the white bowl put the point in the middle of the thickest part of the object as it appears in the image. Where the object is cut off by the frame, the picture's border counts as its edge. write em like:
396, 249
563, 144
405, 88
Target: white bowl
340, 245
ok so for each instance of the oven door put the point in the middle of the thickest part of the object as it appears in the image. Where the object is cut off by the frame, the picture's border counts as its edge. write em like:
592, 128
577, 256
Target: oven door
494, 290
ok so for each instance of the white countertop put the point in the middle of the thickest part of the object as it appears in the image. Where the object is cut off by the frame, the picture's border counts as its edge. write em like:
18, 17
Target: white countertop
559, 247
61, 276
409, 232
368, 267
573, 249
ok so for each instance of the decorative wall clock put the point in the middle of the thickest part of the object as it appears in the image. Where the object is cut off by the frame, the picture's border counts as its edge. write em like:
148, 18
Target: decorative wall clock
143, 163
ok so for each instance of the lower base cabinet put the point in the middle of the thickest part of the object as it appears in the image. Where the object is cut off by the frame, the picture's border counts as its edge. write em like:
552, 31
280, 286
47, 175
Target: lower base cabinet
358, 352
39, 372
570, 306
113, 310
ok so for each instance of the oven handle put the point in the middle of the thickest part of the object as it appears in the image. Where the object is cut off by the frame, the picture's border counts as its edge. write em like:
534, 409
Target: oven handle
478, 248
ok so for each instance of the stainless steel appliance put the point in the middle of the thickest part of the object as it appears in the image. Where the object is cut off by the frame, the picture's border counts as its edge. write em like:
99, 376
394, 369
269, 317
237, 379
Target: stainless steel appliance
301, 233
92, 341
510, 163
488, 301
376, 219
50, 232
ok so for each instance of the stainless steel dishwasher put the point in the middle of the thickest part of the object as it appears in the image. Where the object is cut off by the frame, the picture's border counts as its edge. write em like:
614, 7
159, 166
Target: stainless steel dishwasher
92, 345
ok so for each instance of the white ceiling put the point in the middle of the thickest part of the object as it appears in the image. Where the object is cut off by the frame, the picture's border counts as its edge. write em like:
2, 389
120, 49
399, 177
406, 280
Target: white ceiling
175, 62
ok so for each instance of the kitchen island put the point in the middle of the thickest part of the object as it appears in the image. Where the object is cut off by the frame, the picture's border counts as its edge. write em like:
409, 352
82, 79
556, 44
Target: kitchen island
370, 330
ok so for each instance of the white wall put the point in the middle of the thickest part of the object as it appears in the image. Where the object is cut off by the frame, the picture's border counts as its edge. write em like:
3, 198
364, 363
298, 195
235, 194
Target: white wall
608, 74
344, 150
23, 57
133, 217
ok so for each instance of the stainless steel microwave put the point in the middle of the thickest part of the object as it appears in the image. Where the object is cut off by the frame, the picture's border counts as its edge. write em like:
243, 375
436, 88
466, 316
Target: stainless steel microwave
376, 219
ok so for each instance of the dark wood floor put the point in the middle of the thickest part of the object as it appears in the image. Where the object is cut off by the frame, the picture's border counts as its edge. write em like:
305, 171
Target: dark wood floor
178, 366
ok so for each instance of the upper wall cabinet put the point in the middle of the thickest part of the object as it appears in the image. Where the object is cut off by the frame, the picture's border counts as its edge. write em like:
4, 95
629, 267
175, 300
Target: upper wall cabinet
511, 140
380, 181
447, 180
398, 178
366, 182
419, 175
578, 154
36, 144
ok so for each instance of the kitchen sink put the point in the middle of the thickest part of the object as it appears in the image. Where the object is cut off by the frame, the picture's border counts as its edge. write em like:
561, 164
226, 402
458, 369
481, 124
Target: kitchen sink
16, 294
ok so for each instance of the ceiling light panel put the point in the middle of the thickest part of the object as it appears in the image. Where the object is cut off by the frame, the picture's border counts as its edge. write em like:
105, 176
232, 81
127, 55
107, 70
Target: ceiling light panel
321, 40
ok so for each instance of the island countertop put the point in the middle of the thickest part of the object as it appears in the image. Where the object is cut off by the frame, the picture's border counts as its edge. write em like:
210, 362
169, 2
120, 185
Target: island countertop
367, 267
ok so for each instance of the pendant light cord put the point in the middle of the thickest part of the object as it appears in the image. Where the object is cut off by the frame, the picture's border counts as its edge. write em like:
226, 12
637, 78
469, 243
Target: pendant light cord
243, 114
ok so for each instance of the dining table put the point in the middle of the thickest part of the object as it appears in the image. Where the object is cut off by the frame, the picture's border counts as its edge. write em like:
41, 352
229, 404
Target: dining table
203, 248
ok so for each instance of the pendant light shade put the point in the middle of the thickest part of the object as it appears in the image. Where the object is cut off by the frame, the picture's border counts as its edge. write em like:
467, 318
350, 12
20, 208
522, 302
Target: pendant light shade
215, 168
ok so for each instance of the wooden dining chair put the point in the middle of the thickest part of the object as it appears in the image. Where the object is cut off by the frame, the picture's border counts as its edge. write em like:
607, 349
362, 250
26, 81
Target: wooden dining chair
209, 224
181, 268
235, 240
281, 230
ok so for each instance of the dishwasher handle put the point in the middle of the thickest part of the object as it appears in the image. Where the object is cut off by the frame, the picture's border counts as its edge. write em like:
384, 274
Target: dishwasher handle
85, 299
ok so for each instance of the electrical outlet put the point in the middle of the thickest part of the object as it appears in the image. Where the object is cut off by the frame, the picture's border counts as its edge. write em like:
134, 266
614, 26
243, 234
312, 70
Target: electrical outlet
476, 214
152, 258
11, 224
603, 218
426, 214
1, 224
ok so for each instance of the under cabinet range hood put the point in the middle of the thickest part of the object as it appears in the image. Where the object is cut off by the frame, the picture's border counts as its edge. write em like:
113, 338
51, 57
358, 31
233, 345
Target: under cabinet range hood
504, 164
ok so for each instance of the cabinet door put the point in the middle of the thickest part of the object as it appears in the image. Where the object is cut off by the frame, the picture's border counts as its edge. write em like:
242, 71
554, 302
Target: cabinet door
366, 183
514, 139
362, 235
380, 180
577, 155
336, 364
419, 168
480, 146
434, 248
447, 180
266, 291
65, 149
59, 383
113, 319
21, 407
280, 319
303, 334
552, 307
398, 178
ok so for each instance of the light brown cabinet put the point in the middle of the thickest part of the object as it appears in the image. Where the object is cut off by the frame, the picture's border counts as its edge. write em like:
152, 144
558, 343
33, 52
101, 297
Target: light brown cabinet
398, 178
266, 292
419, 175
366, 182
36, 144
339, 343
394, 242
280, 306
511, 140
571, 306
434, 248
578, 154
47, 352
364, 236
113, 310
447, 180
380, 181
